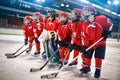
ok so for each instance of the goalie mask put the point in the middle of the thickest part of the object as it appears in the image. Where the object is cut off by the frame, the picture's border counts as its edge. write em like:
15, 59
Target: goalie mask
51, 13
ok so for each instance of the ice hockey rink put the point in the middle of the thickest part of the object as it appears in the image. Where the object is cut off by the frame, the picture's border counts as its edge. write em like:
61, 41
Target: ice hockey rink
19, 68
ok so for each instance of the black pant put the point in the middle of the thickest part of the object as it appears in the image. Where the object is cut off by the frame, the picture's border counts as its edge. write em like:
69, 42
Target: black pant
99, 52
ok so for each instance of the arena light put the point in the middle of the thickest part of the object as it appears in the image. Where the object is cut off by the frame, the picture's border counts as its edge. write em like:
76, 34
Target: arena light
67, 5
62, 4
43, 1
85, 1
119, 15
114, 13
116, 2
107, 10
38, 0
109, 2
97, 6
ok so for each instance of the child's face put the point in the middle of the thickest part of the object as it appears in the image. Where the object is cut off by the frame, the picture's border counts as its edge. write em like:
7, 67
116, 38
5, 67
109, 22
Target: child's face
91, 18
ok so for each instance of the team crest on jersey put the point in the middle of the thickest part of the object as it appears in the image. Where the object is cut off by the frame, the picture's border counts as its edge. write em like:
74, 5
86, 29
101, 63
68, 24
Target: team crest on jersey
38, 24
34, 30
74, 34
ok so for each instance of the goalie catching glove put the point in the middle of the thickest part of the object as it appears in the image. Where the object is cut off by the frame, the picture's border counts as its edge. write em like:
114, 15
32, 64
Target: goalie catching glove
47, 35
52, 35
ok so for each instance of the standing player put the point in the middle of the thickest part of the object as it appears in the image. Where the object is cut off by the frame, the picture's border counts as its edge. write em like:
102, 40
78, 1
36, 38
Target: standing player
76, 41
93, 31
107, 25
38, 26
28, 32
64, 35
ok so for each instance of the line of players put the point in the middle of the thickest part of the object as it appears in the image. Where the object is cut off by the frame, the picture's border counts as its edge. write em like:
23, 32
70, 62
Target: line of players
73, 33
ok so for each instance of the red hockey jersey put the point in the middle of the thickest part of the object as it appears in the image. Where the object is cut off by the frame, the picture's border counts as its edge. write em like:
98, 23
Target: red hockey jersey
91, 33
76, 33
64, 31
28, 31
38, 27
52, 26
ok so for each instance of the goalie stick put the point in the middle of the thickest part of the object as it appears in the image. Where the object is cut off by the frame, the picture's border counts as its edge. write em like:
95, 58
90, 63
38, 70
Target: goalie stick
46, 48
38, 69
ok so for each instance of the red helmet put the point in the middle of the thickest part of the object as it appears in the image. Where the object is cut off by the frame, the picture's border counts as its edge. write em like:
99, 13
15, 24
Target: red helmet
63, 14
89, 10
37, 15
77, 11
27, 19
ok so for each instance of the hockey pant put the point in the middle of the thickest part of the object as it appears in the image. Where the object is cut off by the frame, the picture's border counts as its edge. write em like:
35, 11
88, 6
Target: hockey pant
37, 44
99, 54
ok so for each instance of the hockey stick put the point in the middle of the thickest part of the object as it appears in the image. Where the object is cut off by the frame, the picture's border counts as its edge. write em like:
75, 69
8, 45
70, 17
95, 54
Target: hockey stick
14, 56
53, 75
8, 54
46, 49
38, 69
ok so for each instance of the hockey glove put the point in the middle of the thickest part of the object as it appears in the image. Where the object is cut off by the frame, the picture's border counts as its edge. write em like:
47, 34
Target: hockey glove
71, 47
83, 49
105, 34
25, 41
36, 40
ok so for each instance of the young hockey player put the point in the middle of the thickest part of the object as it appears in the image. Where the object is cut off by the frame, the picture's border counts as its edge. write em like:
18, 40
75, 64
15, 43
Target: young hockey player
76, 41
93, 31
107, 25
28, 32
63, 33
38, 26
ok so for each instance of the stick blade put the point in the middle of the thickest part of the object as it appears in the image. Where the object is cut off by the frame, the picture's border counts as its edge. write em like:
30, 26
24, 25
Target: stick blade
49, 76
8, 54
11, 56
34, 69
